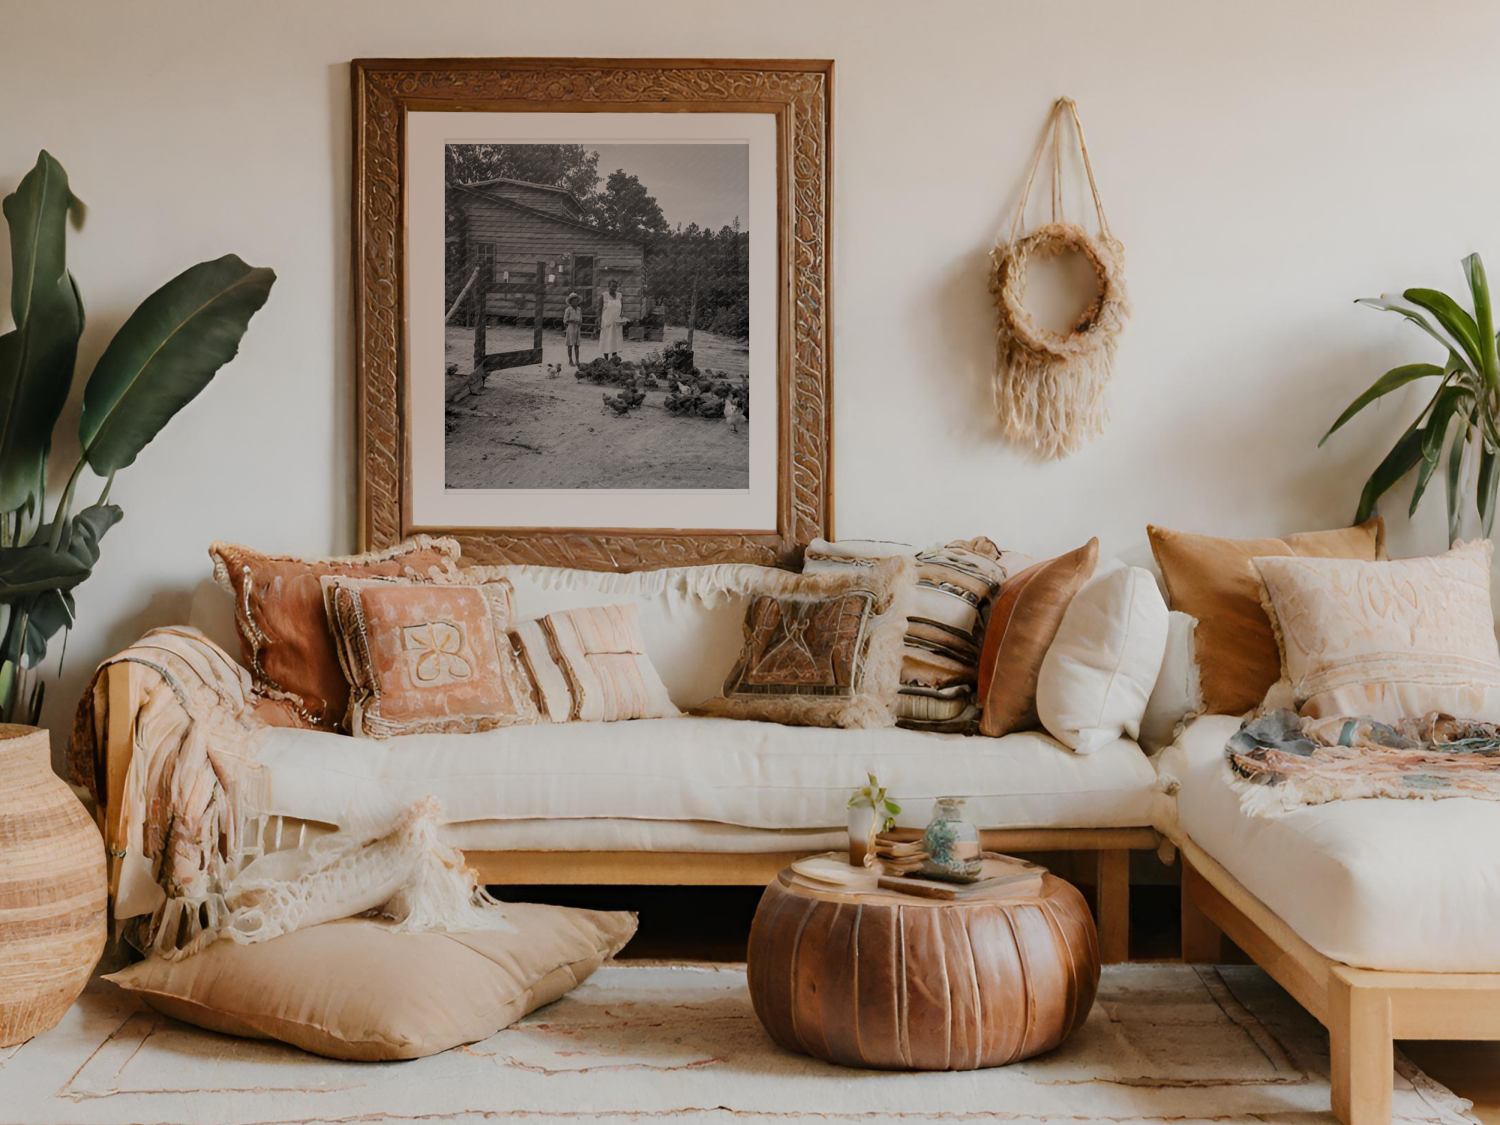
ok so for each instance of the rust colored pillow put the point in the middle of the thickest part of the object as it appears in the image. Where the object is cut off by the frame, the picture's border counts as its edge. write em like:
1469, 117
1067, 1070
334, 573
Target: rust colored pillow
283, 628
1025, 619
1215, 581
427, 657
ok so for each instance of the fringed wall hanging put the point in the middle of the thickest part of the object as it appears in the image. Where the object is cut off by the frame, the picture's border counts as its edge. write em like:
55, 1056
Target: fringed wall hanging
1049, 386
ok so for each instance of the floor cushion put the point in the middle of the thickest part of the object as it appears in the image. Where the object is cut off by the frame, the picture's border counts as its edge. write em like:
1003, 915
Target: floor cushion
1379, 884
727, 771
355, 990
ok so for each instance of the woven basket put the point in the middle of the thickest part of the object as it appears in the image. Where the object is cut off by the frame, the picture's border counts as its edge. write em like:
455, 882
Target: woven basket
52, 889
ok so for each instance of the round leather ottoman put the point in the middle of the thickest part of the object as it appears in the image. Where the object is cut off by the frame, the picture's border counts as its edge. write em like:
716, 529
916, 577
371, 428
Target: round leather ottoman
896, 982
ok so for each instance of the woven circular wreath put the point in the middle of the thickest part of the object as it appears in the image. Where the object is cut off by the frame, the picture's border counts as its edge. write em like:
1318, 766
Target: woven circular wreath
1049, 386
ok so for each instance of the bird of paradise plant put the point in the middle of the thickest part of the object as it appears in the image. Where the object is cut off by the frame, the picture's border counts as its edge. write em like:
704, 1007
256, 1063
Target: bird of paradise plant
1463, 414
164, 354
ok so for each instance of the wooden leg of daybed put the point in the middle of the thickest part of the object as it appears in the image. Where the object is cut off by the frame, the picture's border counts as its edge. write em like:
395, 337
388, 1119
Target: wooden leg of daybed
1359, 1034
1112, 887
1202, 941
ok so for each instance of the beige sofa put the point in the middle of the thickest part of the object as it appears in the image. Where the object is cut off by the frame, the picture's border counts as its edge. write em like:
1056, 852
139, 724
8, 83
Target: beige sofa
683, 800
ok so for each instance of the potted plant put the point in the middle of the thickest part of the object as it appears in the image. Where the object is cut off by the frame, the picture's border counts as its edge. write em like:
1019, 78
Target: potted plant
164, 354
1463, 415
870, 811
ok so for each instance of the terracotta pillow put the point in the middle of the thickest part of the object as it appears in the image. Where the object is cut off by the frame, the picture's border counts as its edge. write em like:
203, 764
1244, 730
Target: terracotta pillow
1388, 640
356, 990
278, 612
427, 657
590, 665
1023, 623
823, 649
1214, 581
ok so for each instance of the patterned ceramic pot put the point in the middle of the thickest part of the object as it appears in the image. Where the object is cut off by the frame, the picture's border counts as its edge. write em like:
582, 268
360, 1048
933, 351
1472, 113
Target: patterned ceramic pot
52, 889
951, 843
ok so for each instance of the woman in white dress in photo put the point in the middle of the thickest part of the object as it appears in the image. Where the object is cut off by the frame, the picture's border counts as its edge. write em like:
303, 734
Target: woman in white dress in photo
611, 335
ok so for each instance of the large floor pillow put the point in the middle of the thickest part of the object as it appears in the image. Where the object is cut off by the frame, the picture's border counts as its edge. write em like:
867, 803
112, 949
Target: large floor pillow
359, 990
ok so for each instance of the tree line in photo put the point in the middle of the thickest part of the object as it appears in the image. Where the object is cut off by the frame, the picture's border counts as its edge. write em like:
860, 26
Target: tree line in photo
694, 272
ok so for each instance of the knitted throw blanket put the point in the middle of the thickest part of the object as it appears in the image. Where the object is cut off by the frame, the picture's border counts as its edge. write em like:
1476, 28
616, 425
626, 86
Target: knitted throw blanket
1280, 761
193, 860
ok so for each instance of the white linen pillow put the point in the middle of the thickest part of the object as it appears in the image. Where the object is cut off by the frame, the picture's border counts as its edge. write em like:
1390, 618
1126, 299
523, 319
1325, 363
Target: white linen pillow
1099, 672
1389, 640
1178, 694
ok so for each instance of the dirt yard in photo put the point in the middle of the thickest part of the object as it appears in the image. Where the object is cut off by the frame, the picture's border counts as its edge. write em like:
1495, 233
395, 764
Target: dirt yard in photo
526, 430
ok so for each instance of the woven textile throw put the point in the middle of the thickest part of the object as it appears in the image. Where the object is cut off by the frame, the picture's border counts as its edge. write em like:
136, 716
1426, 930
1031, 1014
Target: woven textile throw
1281, 761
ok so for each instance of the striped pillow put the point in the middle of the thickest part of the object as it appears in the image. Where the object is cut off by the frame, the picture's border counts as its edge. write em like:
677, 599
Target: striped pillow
590, 665
956, 584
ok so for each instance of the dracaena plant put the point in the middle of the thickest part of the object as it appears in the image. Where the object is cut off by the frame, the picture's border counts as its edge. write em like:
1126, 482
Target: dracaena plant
158, 361
1459, 426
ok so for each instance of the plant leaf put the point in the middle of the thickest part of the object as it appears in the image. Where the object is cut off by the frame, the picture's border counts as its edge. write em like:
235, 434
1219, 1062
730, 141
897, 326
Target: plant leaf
166, 353
37, 356
1454, 319
1403, 457
1455, 476
1391, 302
1479, 289
81, 537
37, 567
1488, 480
1393, 379
1448, 402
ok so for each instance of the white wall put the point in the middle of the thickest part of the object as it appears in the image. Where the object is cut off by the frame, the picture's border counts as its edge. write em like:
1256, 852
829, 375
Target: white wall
1265, 163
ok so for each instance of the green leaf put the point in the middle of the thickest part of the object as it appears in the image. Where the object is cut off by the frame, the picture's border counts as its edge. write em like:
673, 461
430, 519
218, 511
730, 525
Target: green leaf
1479, 289
1489, 479
166, 353
1393, 379
1446, 403
81, 538
1454, 319
1402, 458
1417, 315
1455, 477
37, 567
37, 356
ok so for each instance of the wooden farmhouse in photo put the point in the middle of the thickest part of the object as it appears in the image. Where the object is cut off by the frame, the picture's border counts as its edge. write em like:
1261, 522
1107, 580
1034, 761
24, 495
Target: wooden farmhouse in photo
510, 225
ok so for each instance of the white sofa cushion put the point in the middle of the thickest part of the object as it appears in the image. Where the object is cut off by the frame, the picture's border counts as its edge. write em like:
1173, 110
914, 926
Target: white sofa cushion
1378, 884
1100, 668
729, 771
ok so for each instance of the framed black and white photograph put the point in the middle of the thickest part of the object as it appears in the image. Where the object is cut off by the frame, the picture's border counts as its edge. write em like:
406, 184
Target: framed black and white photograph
612, 326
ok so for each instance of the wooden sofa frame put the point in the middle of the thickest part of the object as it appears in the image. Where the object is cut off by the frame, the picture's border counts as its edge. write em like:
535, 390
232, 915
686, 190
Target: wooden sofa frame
1112, 846
1364, 1010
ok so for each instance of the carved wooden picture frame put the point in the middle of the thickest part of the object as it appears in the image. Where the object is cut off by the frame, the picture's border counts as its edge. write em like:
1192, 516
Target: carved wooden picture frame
796, 93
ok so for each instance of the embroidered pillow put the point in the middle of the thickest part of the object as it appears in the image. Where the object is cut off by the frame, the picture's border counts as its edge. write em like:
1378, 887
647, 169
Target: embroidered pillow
1390, 640
424, 658
282, 625
1214, 581
956, 584
590, 665
823, 649
1025, 619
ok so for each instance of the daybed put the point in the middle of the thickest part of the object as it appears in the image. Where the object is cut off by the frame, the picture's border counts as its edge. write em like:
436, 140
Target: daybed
1378, 916
669, 801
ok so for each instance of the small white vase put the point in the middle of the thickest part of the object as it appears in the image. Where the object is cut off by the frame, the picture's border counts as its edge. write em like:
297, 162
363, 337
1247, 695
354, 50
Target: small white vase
861, 819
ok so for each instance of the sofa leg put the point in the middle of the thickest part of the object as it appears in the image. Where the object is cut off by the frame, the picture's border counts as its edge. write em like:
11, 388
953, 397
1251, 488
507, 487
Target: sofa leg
1112, 890
1361, 1052
1202, 941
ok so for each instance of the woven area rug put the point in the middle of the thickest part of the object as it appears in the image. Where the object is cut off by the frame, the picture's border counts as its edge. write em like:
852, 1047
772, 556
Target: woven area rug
679, 1042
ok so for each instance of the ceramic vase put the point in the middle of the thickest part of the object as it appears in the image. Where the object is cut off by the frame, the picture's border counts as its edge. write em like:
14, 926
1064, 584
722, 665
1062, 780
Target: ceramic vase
951, 843
860, 821
52, 888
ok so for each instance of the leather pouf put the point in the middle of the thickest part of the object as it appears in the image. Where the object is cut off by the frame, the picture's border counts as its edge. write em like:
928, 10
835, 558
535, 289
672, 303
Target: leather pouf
896, 982
52, 889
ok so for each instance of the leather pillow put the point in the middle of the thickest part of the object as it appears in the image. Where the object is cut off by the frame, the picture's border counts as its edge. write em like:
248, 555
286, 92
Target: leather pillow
1026, 617
357, 990
284, 636
1214, 580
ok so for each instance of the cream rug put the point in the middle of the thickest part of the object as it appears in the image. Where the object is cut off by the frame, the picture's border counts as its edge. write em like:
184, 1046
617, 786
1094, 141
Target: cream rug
645, 1042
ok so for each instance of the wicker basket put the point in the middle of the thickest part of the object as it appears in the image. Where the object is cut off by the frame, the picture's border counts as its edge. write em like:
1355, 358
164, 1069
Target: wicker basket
52, 889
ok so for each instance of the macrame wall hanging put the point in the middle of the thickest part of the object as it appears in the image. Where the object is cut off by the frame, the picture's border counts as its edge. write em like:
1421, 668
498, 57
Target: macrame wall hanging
1049, 386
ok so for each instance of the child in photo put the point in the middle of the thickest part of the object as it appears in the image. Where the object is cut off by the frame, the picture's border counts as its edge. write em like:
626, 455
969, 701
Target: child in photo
572, 327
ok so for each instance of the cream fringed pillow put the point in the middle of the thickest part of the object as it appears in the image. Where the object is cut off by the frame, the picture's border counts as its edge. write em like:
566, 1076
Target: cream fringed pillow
425, 658
590, 665
1390, 640
356, 990
823, 650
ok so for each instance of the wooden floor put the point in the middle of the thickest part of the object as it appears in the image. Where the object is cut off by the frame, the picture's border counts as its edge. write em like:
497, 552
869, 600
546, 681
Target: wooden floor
713, 924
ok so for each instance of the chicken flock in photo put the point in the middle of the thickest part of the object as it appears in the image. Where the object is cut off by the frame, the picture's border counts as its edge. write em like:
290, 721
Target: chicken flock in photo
704, 394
